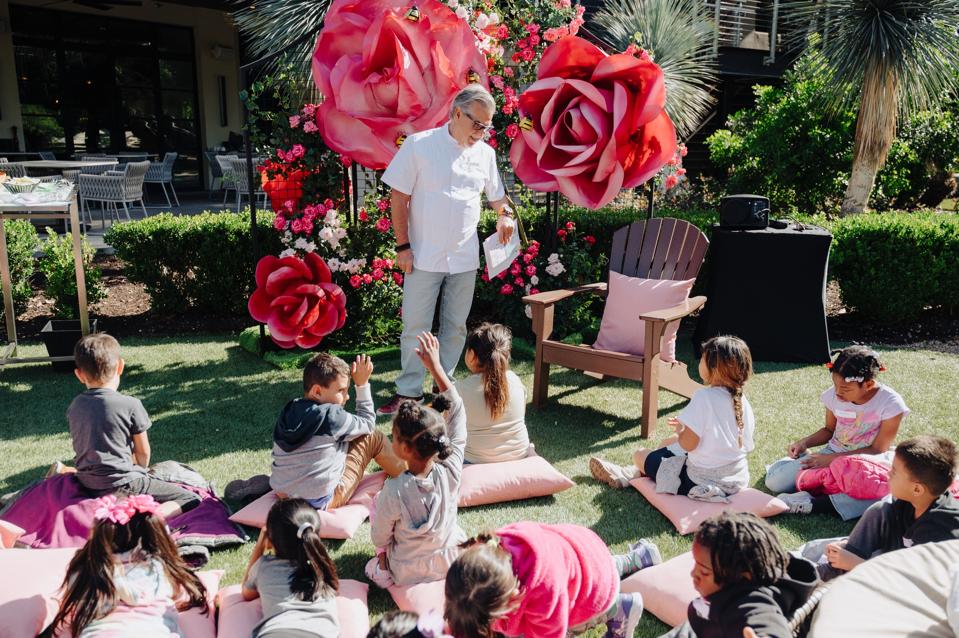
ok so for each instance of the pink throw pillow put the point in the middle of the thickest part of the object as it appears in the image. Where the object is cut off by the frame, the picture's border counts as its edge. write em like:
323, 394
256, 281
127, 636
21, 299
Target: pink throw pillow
485, 483
628, 298
238, 617
420, 598
9, 533
340, 523
687, 514
667, 588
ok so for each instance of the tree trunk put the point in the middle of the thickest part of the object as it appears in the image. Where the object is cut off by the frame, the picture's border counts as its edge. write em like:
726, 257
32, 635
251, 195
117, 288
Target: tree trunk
861, 181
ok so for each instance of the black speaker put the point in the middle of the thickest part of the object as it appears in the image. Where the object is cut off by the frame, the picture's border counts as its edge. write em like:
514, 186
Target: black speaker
744, 211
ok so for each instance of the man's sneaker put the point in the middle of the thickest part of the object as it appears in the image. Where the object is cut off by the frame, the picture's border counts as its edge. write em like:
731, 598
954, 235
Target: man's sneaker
395, 402
55, 469
241, 490
613, 475
642, 554
629, 608
799, 503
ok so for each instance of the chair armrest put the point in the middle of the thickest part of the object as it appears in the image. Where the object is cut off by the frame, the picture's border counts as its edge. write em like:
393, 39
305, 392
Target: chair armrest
676, 312
114, 173
551, 297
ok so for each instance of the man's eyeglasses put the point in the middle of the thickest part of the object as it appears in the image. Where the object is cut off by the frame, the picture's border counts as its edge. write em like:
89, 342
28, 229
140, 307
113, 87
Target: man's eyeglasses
477, 125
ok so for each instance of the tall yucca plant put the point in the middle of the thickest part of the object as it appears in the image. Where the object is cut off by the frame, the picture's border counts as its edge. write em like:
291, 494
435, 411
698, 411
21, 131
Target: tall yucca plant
290, 26
889, 59
679, 35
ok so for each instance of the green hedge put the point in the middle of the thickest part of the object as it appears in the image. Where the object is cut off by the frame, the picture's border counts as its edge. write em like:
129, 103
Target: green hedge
22, 241
202, 263
890, 266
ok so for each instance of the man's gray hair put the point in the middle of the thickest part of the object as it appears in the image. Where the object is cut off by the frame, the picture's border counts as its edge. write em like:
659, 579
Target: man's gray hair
473, 94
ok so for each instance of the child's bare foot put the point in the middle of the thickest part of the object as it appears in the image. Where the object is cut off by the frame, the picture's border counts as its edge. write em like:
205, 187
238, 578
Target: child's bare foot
611, 474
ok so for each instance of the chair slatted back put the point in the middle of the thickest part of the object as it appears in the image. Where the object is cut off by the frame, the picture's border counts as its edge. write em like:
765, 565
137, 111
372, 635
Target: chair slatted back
660, 248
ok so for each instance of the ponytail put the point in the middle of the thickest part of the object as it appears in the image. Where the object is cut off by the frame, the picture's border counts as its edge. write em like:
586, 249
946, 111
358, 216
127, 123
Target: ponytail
424, 428
491, 344
737, 395
315, 570
293, 527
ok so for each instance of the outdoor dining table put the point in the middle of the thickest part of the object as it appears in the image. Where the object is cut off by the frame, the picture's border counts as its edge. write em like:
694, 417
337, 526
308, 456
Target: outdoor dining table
18, 207
68, 165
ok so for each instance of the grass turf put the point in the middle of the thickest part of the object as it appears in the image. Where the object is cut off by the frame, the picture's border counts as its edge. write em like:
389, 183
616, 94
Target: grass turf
213, 406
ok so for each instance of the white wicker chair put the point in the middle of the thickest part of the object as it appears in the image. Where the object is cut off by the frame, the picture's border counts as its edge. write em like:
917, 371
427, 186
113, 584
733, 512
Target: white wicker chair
112, 188
13, 169
242, 181
228, 178
162, 173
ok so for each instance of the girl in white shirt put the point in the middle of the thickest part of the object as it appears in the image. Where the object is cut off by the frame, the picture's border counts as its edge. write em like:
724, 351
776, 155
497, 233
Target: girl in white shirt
714, 432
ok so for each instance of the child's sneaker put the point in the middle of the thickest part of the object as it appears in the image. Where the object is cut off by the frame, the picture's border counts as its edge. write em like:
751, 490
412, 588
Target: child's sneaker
642, 554
629, 608
613, 475
799, 503
241, 490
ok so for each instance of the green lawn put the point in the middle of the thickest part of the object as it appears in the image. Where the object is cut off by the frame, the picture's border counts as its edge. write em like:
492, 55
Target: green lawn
213, 406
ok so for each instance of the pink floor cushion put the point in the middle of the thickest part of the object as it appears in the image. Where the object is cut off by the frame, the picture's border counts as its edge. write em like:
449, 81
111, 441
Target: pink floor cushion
238, 617
686, 514
420, 598
29, 593
667, 588
340, 523
9, 533
485, 483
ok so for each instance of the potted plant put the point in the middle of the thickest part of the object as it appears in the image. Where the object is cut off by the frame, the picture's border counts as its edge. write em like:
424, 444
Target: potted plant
61, 333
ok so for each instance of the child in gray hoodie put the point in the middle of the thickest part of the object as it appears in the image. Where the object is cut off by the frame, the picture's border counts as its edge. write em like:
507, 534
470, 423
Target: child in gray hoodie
414, 524
320, 450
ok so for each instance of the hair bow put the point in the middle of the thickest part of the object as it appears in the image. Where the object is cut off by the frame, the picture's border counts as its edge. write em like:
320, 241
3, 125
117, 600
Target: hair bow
111, 508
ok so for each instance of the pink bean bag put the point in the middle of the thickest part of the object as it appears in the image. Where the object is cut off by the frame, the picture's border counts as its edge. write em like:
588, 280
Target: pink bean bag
420, 598
9, 533
667, 588
485, 483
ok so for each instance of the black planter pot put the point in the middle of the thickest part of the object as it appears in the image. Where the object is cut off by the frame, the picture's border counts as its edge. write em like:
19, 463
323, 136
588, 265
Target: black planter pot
60, 336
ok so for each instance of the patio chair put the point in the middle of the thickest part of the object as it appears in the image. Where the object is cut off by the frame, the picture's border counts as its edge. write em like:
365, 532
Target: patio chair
47, 155
242, 182
228, 179
112, 188
162, 173
12, 169
661, 248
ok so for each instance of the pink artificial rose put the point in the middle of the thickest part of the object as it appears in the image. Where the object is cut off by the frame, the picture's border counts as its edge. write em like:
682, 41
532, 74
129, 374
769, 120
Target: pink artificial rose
383, 204
279, 222
297, 151
383, 75
367, 278
512, 131
398, 278
530, 270
671, 181
507, 289
310, 127
484, 276
680, 171
345, 160
294, 121
519, 281
378, 274
297, 299
355, 281
297, 226
383, 224
363, 215
570, 226
683, 150
377, 263
589, 239
528, 257
598, 124
515, 269
528, 55
309, 110
534, 291
492, 141
508, 72
329, 203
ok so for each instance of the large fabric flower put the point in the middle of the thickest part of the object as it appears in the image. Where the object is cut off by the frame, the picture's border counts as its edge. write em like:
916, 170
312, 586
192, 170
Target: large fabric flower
593, 125
297, 299
388, 69
283, 188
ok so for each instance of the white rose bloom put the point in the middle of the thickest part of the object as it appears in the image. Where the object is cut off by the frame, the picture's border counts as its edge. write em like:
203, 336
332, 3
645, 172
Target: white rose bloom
340, 233
482, 21
494, 18
553, 258
289, 252
528, 311
462, 13
534, 280
555, 269
330, 219
453, 4
327, 234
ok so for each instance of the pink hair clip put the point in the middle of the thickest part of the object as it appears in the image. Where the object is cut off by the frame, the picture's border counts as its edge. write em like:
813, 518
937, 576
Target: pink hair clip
120, 512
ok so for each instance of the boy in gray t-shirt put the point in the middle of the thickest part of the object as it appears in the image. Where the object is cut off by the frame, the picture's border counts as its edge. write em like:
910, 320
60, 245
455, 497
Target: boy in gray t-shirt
109, 431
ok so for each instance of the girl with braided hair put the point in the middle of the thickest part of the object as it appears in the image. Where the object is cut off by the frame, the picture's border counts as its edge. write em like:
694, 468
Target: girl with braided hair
296, 582
543, 581
706, 458
745, 579
862, 419
414, 525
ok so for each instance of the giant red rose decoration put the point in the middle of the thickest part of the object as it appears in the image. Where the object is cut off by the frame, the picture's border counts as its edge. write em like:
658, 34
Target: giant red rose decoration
387, 69
284, 187
297, 299
593, 125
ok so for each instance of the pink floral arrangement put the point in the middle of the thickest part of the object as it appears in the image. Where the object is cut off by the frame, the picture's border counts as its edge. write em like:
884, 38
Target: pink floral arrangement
388, 69
120, 511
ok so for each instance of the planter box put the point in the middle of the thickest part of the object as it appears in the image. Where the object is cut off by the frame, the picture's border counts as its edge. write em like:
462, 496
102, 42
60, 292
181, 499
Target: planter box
60, 336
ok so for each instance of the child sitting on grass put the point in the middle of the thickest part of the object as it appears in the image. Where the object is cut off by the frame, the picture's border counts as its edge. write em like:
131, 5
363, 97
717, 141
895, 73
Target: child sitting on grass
745, 579
543, 581
414, 524
862, 417
925, 509
706, 459
320, 450
109, 432
297, 583
494, 398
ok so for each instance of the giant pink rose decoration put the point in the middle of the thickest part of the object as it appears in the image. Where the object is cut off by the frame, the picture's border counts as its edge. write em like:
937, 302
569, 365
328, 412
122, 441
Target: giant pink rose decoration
386, 71
594, 124
297, 299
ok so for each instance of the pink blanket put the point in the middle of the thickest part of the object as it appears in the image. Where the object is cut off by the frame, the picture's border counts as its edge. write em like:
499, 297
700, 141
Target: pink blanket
57, 513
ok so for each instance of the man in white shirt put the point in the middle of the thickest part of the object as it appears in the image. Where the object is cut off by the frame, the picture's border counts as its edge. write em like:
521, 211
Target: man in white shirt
436, 178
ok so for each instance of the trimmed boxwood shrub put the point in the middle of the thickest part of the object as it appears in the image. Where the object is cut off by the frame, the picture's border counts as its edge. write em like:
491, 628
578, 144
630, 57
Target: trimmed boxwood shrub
202, 263
891, 266
22, 241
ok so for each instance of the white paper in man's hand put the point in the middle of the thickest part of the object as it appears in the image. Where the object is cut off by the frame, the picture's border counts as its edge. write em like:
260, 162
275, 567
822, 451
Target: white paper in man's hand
500, 256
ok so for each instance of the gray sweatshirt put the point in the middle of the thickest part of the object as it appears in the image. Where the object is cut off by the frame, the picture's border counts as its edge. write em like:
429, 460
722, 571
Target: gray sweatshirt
415, 518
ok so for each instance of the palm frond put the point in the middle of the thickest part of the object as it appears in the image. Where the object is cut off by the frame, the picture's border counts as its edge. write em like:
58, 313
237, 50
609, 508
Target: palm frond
290, 26
679, 35
913, 41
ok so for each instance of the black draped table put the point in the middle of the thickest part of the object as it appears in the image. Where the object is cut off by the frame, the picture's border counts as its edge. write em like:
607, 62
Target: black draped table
768, 287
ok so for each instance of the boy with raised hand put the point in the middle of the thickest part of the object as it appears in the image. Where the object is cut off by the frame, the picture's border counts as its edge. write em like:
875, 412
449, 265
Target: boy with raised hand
109, 431
320, 450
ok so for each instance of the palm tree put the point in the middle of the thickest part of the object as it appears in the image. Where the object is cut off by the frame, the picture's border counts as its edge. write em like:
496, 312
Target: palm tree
282, 25
679, 35
893, 57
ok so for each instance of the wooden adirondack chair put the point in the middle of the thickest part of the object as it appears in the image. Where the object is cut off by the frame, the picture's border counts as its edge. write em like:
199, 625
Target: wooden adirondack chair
661, 248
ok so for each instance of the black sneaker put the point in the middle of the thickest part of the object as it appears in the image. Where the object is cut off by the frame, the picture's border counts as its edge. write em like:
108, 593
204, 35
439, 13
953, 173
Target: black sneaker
241, 490
395, 402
